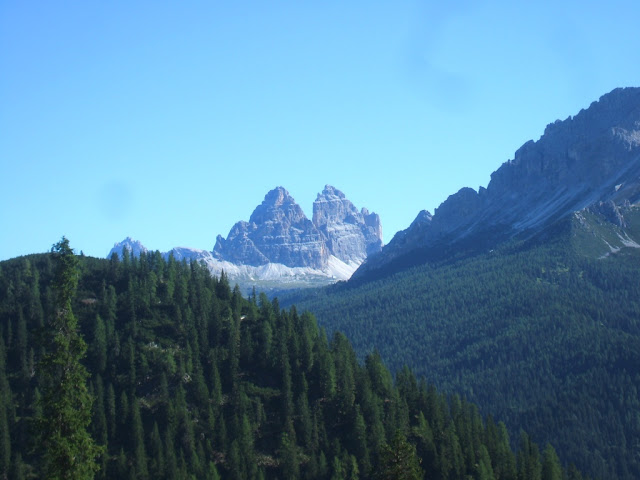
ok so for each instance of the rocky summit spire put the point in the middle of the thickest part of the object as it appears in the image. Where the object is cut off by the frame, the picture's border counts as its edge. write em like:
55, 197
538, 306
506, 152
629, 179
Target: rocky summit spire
134, 247
279, 207
351, 235
277, 232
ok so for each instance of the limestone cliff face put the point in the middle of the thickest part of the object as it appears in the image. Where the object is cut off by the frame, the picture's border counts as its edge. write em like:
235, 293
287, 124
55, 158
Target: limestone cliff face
589, 160
279, 232
350, 234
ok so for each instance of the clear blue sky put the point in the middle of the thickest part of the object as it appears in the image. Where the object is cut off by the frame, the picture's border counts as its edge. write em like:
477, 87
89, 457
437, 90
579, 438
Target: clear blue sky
169, 121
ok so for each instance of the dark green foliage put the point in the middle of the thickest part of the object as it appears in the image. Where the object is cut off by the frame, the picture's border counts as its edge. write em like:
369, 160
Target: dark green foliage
69, 452
551, 469
201, 383
536, 334
398, 460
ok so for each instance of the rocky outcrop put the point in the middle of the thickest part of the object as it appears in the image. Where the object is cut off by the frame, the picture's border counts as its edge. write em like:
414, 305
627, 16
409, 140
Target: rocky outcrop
592, 159
350, 235
134, 247
611, 212
279, 232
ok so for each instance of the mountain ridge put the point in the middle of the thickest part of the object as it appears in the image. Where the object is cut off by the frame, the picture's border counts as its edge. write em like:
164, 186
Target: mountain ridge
590, 158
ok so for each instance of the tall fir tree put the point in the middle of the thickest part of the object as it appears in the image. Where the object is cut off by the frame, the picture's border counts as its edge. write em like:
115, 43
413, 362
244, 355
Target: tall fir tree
398, 460
69, 452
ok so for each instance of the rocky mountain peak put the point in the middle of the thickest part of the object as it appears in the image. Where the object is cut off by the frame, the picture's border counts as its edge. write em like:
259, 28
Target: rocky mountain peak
351, 235
278, 206
134, 247
279, 232
331, 206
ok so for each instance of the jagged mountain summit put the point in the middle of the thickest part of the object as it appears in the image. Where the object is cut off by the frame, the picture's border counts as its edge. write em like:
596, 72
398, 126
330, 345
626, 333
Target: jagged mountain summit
351, 235
279, 232
589, 161
279, 247
134, 247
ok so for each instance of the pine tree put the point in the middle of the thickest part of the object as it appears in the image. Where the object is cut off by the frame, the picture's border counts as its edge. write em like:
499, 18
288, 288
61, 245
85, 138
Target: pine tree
399, 461
5, 443
69, 452
18, 472
99, 424
137, 434
156, 453
551, 469
289, 457
5, 400
111, 411
99, 345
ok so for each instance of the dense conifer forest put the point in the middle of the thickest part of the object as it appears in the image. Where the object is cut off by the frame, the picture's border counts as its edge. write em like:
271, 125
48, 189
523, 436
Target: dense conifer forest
541, 334
190, 380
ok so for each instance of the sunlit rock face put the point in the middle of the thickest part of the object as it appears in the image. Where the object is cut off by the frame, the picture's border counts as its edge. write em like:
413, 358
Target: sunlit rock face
134, 247
350, 235
338, 237
277, 232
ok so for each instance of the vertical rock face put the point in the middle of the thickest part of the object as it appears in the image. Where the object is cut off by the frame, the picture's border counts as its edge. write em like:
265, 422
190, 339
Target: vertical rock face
351, 235
279, 232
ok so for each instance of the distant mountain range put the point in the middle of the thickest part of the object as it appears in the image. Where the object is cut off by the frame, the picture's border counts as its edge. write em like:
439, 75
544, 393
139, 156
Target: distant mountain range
279, 247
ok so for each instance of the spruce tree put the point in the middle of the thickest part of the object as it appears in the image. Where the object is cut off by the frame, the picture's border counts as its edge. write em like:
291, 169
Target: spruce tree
398, 460
5, 400
551, 468
69, 452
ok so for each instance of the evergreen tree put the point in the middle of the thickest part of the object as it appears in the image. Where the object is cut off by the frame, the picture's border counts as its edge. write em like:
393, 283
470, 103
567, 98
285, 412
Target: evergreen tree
5, 401
69, 450
288, 452
551, 469
137, 435
18, 472
99, 424
156, 455
5, 443
99, 345
399, 461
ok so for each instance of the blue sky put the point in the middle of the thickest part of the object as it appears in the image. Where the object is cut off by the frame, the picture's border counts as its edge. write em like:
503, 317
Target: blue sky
170, 121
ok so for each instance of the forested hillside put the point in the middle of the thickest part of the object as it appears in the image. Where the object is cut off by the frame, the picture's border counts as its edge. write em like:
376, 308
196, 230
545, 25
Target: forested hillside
191, 380
536, 333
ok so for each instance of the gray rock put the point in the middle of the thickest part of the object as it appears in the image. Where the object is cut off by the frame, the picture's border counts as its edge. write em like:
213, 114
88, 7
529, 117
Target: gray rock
134, 247
279, 232
350, 235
